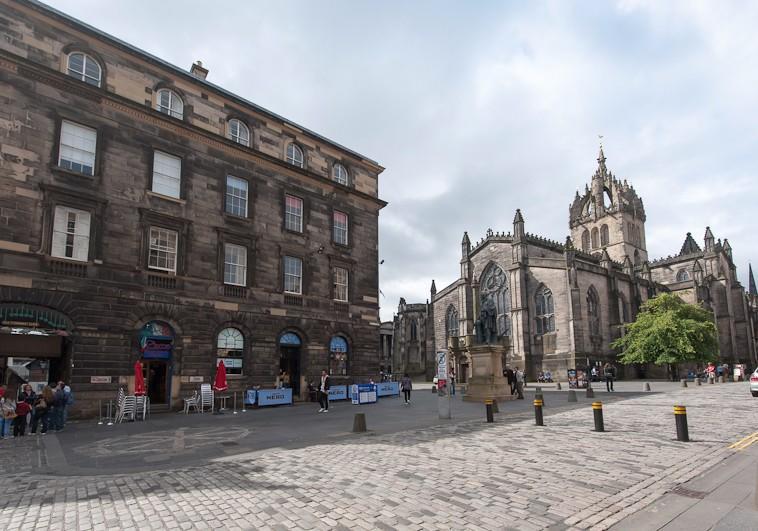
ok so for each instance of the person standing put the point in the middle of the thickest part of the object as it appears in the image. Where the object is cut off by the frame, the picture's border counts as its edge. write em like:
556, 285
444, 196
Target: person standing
511, 380
323, 393
519, 378
42, 409
28, 395
19, 423
7, 415
59, 404
608, 375
452, 382
406, 385
68, 395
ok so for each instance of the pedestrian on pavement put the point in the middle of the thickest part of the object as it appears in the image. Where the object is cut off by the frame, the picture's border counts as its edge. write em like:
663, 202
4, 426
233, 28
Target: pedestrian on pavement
7, 415
28, 395
452, 382
406, 385
609, 375
711, 371
519, 378
323, 393
511, 380
69, 396
59, 404
41, 412
19, 423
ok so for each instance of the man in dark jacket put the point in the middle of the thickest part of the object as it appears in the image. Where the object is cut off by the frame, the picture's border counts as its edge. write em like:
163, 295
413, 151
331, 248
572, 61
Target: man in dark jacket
323, 393
59, 404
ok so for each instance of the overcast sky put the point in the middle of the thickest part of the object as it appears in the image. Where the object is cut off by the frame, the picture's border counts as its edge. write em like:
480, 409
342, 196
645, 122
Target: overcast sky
479, 108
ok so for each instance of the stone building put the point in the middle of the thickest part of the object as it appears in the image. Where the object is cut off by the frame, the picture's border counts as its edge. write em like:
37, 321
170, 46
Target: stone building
413, 340
560, 306
148, 214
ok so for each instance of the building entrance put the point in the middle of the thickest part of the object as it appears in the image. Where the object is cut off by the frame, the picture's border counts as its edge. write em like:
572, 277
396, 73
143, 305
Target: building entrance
156, 340
156, 380
289, 359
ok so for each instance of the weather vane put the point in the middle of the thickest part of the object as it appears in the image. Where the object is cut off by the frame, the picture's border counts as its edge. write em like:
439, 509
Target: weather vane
601, 140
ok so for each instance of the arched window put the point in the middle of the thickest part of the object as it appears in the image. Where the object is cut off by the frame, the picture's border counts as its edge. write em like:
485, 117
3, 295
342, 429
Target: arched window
230, 348
682, 275
495, 295
295, 155
451, 322
338, 356
339, 173
239, 132
595, 238
604, 236
593, 311
84, 68
544, 311
168, 102
414, 330
623, 309
586, 241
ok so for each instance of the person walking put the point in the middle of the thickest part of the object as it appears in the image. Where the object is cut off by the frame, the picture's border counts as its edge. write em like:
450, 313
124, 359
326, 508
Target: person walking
519, 379
59, 405
19, 423
323, 393
42, 408
406, 385
511, 380
609, 374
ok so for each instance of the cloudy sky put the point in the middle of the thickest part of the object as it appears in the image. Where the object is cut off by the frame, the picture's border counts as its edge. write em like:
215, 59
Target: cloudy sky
479, 108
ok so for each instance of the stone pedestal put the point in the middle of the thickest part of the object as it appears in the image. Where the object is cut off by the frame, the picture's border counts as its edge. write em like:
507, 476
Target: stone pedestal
487, 380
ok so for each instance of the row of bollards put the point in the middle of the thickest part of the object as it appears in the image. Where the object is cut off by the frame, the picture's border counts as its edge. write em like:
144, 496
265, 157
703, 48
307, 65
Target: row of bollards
680, 415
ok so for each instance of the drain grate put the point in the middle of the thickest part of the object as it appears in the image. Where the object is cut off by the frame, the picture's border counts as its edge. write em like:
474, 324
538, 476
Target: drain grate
689, 493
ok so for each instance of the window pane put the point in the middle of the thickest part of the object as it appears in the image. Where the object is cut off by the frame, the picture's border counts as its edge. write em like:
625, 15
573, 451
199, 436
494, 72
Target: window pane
236, 196
340, 284
293, 272
340, 174
239, 132
295, 155
340, 228
167, 171
230, 350
77, 148
71, 230
235, 265
163, 244
169, 103
293, 214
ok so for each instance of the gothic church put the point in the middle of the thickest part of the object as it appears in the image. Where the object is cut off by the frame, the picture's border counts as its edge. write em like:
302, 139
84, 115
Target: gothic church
560, 306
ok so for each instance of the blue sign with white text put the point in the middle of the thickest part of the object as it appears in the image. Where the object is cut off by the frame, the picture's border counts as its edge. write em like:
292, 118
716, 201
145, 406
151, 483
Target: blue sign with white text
274, 397
338, 392
250, 396
387, 388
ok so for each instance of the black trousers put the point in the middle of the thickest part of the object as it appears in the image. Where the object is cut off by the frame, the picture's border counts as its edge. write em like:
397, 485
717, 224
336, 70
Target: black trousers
323, 399
608, 383
407, 395
19, 426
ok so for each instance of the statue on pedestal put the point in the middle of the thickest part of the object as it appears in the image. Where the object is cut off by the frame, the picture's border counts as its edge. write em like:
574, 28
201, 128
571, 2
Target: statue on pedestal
486, 325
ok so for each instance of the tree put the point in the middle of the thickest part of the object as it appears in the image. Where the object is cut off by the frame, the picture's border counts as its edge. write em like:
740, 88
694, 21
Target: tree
669, 330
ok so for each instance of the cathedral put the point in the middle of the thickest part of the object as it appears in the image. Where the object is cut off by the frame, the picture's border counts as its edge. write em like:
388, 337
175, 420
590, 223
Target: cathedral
559, 306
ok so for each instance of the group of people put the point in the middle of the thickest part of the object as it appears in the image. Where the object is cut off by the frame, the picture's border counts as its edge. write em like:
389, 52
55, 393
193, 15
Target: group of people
48, 409
545, 376
516, 381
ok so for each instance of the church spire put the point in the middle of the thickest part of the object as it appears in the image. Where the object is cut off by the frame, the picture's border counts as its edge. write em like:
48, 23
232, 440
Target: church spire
601, 160
751, 281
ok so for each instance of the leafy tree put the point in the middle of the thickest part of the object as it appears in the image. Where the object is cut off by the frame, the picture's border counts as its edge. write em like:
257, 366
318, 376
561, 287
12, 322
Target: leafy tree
669, 330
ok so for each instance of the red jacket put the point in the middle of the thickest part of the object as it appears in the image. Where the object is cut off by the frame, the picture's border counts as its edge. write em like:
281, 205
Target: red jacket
22, 408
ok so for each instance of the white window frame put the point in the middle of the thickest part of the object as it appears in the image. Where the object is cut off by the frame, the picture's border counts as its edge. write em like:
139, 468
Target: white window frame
77, 147
236, 196
235, 265
231, 340
71, 234
168, 251
339, 173
165, 183
293, 218
293, 275
295, 155
83, 75
243, 139
175, 107
341, 284
340, 232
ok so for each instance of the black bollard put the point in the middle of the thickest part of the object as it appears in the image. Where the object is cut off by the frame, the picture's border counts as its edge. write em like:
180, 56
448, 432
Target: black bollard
488, 405
359, 423
538, 413
597, 411
538, 396
682, 433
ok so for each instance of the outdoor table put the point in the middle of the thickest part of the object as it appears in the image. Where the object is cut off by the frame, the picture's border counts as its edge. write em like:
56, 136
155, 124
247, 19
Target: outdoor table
223, 399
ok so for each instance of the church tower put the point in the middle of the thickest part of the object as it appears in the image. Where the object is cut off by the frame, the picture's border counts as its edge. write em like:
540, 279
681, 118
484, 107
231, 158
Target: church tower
609, 217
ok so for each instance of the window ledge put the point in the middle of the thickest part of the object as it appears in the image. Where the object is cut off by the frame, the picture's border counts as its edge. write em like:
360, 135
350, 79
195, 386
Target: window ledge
235, 218
296, 232
150, 193
65, 171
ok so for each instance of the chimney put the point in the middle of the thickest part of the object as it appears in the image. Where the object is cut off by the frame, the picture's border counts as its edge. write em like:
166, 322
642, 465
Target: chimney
198, 71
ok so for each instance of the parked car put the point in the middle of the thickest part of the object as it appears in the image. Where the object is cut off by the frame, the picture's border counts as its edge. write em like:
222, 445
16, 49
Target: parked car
754, 383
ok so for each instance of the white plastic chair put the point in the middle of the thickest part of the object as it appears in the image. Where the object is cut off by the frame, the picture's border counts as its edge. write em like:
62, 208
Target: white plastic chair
206, 397
142, 406
190, 402
128, 409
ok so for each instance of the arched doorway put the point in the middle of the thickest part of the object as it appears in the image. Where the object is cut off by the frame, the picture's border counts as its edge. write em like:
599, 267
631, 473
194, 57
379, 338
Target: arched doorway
289, 359
35, 345
156, 343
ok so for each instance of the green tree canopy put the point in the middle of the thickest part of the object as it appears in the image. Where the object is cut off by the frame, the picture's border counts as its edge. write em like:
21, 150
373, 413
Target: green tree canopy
668, 330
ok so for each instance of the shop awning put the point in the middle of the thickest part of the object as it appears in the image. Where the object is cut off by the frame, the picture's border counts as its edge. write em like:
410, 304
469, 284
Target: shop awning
30, 346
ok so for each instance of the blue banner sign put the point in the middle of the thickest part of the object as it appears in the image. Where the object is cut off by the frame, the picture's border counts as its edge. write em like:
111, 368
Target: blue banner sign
274, 397
338, 392
388, 388
250, 396
363, 393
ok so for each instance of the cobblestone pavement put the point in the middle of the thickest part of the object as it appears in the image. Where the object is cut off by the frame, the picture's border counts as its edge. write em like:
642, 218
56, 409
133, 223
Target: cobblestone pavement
463, 476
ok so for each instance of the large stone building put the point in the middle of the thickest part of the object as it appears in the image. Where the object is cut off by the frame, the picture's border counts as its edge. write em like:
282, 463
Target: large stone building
148, 214
560, 306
